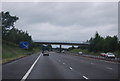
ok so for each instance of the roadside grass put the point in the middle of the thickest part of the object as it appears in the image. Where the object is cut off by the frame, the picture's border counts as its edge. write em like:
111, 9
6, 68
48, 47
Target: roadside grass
11, 51
36, 50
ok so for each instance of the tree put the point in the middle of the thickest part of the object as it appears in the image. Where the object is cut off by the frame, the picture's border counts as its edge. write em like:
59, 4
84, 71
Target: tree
96, 43
49, 47
7, 23
118, 45
12, 34
108, 44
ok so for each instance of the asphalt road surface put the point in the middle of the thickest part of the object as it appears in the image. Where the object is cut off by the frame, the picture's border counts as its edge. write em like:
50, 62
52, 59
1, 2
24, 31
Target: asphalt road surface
59, 66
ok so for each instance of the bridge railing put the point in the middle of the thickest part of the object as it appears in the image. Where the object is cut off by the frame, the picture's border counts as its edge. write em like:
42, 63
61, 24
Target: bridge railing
61, 41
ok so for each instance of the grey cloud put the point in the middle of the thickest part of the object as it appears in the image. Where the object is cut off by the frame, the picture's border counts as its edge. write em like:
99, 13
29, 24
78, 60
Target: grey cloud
67, 20
65, 14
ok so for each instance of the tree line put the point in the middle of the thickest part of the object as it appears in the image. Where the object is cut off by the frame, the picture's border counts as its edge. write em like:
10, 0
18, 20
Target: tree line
104, 44
9, 32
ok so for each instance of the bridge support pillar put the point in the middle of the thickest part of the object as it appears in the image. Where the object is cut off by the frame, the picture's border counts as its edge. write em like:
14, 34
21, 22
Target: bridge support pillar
60, 48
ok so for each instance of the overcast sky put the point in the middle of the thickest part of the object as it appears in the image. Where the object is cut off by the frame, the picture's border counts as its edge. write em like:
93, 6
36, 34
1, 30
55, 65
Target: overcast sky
76, 21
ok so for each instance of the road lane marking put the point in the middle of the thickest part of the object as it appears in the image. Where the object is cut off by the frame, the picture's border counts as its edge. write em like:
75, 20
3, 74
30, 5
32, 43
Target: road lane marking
92, 63
70, 68
106, 61
59, 60
85, 77
109, 68
28, 72
63, 63
101, 60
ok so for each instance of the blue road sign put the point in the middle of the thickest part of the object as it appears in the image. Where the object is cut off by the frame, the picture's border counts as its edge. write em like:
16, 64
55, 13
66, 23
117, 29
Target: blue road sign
24, 45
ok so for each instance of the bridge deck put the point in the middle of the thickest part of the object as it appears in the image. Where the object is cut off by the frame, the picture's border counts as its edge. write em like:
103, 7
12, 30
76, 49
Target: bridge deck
62, 43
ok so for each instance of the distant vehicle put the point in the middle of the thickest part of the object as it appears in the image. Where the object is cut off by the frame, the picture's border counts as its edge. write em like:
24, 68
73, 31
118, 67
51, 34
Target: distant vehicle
80, 53
109, 55
63, 51
58, 51
45, 53
102, 54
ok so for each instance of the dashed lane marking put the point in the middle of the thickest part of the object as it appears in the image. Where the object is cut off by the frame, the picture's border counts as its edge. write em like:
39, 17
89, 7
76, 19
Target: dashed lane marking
92, 63
85, 77
59, 61
109, 68
70, 68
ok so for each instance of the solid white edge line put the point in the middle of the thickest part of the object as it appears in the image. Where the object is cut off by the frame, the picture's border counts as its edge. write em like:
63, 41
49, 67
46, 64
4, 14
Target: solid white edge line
28, 72
85, 77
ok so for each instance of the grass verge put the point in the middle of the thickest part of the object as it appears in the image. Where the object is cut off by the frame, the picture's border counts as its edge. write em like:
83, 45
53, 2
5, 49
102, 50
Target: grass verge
11, 51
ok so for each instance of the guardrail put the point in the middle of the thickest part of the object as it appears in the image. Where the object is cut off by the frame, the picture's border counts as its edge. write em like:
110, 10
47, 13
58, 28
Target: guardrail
116, 59
102, 58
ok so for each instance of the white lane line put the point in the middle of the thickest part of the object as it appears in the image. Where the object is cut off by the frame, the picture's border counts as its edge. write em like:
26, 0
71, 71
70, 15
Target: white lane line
28, 72
85, 77
109, 62
92, 63
59, 60
70, 68
106, 61
63, 63
101, 60
109, 68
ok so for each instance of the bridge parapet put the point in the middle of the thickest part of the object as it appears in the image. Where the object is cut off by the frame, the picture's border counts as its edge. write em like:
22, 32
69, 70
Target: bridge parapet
61, 42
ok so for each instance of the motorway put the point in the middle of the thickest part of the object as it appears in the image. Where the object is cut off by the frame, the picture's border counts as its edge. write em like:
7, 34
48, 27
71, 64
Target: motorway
59, 66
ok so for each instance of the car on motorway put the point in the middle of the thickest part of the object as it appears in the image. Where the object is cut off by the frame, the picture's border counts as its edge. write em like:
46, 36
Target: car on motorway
80, 53
57, 51
102, 54
45, 53
63, 51
109, 55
